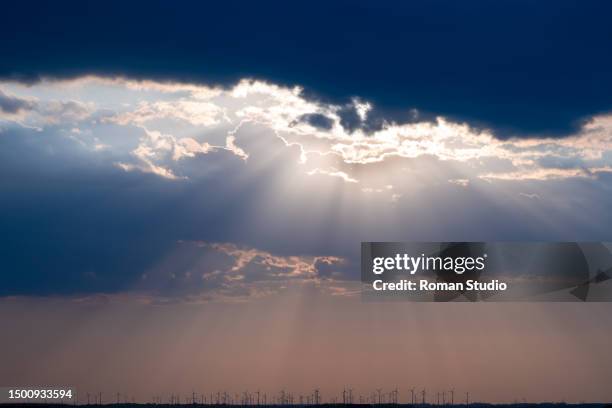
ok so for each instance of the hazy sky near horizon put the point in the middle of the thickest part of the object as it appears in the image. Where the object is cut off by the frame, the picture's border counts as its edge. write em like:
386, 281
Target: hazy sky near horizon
302, 339
182, 197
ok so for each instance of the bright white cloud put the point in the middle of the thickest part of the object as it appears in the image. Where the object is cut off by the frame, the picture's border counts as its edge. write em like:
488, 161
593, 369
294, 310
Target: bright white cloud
177, 121
333, 173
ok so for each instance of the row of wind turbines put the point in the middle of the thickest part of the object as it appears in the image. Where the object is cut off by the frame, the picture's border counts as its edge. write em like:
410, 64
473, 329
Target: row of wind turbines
284, 398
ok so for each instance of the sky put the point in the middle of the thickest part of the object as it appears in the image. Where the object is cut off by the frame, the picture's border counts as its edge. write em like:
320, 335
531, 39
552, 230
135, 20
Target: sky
186, 189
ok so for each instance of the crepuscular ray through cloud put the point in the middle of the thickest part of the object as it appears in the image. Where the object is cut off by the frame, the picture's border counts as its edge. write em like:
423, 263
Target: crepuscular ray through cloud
268, 171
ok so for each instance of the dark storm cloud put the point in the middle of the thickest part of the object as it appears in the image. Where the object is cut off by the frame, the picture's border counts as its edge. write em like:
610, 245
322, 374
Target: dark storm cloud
317, 120
374, 119
519, 67
349, 118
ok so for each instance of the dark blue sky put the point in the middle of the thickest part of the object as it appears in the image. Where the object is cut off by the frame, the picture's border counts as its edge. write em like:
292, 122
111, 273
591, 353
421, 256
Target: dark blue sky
521, 67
